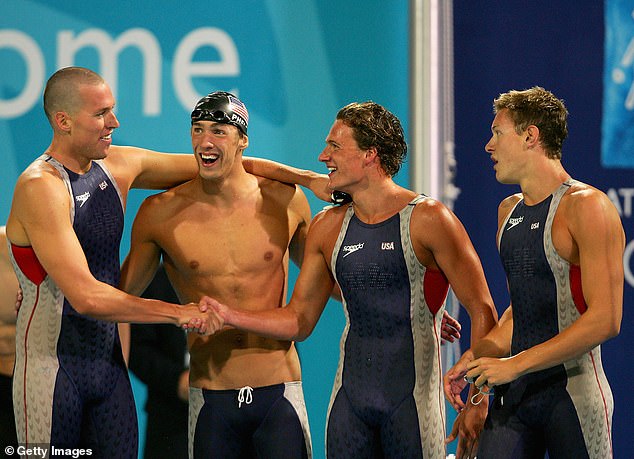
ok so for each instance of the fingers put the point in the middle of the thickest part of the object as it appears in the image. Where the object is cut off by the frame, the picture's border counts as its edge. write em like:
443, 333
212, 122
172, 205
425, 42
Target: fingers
454, 384
451, 321
450, 328
453, 387
18, 300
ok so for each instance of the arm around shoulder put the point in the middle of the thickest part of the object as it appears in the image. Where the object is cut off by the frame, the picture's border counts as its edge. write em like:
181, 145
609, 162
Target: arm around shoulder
315, 182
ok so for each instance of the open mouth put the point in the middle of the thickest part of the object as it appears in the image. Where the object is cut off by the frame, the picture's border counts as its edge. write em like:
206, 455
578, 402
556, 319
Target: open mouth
208, 158
331, 170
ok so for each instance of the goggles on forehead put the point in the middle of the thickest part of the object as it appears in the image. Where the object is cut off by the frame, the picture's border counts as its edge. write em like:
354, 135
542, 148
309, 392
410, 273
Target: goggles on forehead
206, 115
219, 116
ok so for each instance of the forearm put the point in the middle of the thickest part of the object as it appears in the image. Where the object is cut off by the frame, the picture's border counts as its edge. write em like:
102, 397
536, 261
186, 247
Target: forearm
317, 183
497, 342
277, 171
280, 323
581, 337
483, 320
110, 304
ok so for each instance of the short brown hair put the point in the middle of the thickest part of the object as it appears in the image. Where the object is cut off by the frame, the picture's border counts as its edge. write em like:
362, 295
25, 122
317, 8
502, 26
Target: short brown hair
539, 107
61, 93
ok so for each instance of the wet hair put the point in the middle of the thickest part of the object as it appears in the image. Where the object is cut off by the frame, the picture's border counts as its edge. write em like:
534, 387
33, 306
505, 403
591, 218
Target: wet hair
539, 107
62, 90
374, 126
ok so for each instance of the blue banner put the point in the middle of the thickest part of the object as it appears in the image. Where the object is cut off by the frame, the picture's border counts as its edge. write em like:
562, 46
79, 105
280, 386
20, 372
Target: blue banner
617, 144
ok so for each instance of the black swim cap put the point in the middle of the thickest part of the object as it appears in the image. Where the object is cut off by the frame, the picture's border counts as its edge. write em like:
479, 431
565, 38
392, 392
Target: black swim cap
222, 107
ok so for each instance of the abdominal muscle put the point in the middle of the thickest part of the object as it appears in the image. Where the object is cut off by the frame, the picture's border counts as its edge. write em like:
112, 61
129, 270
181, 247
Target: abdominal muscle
232, 358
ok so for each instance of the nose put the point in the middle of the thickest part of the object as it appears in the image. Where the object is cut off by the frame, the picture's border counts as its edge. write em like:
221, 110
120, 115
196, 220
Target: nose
489, 146
114, 122
324, 155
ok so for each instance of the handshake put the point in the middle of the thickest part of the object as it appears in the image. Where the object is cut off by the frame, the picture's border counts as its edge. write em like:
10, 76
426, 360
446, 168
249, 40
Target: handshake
205, 318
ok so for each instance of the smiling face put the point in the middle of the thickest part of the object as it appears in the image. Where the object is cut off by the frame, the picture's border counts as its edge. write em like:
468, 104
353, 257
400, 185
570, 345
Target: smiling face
216, 146
507, 149
343, 157
90, 124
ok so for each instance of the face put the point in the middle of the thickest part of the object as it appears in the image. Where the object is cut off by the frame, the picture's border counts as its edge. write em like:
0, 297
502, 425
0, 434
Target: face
507, 149
216, 147
91, 125
343, 157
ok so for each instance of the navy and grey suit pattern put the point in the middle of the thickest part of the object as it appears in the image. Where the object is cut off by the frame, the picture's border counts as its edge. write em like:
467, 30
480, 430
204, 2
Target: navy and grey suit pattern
71, 383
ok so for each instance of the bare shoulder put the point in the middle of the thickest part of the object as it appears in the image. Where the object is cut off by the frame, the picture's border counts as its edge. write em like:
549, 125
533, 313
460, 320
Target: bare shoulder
331, 215
164, 203
587, 204
581, 194
282, 190
38, 180
432, 214
326, 225
283, 194
508, 203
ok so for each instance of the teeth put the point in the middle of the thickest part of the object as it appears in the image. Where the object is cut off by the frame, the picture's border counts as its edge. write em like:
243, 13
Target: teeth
208, 157
107, 137
332, 169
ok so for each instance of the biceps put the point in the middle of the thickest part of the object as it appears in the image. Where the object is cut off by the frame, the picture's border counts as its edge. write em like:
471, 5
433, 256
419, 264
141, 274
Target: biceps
312, 289
139, 267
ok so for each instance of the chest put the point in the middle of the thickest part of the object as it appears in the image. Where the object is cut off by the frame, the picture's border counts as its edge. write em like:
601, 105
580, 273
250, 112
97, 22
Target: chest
207, 242
543, 228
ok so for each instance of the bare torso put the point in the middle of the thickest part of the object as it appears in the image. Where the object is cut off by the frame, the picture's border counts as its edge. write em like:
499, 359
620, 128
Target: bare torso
239, 255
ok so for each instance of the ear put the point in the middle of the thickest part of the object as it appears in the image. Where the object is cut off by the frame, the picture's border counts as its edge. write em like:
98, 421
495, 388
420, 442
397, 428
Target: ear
531, 136
243, 142
63, 121
371, 156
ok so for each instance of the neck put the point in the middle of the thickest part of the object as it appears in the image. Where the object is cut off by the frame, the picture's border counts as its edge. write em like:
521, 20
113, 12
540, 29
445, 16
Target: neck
543, 181
380, 200
62, 153
229, 189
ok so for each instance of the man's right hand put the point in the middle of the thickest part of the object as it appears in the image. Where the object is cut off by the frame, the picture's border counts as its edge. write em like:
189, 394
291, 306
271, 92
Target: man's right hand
203, 319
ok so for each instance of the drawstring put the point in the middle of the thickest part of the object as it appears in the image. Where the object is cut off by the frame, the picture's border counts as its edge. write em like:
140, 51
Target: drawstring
483, 393
245, 396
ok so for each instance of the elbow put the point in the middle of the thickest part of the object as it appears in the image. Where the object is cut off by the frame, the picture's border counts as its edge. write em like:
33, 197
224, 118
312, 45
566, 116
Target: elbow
302, 330
608, 331
87, 302
614, 330
85, 306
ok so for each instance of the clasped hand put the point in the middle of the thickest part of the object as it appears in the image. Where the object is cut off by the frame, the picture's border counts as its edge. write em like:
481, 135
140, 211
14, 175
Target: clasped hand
210, 322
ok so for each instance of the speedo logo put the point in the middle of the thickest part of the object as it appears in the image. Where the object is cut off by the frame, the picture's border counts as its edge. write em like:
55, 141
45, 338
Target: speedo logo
348, 249
82, 198
514, 222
